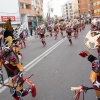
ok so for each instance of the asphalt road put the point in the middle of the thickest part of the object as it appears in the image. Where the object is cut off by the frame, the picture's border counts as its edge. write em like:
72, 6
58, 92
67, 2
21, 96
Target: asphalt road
58, 70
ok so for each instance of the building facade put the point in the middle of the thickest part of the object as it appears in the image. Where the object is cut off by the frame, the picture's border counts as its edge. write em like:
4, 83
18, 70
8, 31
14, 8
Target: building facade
62, 10
67, 11
96, 7
27, 12
31, 11
75, 8
85, 7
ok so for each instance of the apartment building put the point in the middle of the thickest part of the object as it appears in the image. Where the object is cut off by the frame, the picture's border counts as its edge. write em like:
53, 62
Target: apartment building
27, 12
67, 11
85, 7
31, 11
96, 7
75, 8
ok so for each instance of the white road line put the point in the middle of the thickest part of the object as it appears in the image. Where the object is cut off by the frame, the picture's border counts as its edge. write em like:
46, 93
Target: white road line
43, 56
35, 61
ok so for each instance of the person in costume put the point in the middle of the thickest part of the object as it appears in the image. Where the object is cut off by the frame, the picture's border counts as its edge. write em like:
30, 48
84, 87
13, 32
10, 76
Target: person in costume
23, 38
50, 30
16, 44
69, 34
10, 61
56, 30
8, 34
61, 30
95, 72
14, 69
42, 36
75, 31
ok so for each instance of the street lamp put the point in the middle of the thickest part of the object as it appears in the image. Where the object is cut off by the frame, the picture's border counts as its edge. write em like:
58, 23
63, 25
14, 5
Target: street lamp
49, 7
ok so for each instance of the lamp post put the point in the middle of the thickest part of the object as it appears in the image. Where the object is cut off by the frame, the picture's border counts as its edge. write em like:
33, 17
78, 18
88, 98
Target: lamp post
49, 5
19, 11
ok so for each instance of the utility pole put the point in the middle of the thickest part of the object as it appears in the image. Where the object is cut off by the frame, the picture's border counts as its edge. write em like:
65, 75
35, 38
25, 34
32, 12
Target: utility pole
19, 11
49, 7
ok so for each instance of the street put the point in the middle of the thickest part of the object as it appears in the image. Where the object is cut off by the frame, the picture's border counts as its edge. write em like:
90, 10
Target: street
56, 68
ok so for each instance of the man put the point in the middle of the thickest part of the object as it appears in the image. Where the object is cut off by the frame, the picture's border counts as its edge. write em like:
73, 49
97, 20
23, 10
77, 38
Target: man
14, 71
42, 36
69, 34
31, 30
14, 68
95, 75
95, 72
61, 30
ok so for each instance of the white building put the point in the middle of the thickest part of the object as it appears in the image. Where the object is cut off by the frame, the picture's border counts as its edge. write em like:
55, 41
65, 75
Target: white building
31, 11
75, 8
9, 9
67, 11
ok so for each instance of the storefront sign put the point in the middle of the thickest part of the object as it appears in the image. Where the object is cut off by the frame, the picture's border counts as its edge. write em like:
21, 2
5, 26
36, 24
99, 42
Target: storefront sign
5, 18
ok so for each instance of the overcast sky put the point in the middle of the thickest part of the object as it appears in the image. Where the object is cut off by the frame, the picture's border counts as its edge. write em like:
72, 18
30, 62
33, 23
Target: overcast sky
56, 4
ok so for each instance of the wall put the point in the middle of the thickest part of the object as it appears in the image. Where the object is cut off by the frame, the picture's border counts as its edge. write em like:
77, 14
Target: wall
24, 20
10, 8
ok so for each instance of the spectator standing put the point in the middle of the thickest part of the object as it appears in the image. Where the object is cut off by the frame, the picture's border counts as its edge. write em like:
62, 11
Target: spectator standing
31, 30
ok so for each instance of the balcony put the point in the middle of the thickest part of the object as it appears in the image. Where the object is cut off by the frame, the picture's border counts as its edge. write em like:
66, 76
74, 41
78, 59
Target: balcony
28, 11
25, 1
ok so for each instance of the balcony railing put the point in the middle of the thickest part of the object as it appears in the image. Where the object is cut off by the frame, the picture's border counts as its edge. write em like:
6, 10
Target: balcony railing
28, 11
25, 1
31, 12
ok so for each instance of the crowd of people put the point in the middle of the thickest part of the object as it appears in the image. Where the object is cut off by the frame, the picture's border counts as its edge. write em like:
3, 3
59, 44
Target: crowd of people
60, 28
12, 40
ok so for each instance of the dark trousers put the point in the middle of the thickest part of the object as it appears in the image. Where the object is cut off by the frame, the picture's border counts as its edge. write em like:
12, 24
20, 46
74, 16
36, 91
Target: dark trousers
31, 32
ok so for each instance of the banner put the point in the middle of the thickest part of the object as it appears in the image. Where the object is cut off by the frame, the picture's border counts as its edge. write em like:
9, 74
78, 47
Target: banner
5, 18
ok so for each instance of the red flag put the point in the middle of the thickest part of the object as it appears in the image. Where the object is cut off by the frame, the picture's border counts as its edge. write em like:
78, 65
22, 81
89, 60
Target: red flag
83, 54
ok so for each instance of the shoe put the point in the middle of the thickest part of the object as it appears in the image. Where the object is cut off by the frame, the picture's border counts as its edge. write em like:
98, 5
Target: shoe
98, 98
71, 43
16, 98
24, 46
45, 43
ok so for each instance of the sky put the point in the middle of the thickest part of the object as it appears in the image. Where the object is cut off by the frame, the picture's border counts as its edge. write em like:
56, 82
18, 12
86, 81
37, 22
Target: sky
56, 5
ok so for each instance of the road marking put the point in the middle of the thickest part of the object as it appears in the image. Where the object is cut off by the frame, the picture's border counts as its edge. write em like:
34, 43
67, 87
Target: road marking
44, 56
36, 60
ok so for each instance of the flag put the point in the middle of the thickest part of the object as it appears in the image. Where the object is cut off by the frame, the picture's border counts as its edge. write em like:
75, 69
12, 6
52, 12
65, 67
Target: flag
84, 54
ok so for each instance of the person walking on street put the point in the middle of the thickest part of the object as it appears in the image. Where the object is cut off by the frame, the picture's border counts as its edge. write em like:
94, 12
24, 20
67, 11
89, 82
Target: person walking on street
26, 32
31, 30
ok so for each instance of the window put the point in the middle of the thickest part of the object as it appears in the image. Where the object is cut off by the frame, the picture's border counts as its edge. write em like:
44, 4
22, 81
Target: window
70, 10
70, 4
70, 7
33, 7
78, 1
71, 16
21, 5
